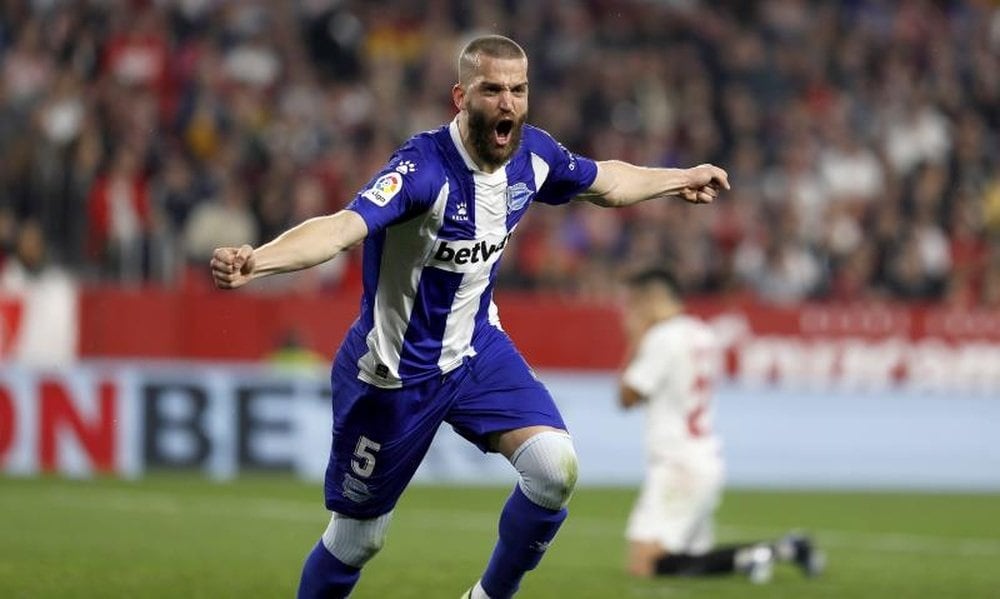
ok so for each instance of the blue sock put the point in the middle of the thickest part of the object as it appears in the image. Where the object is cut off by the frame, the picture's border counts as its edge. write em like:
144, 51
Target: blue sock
326, 577
525, 532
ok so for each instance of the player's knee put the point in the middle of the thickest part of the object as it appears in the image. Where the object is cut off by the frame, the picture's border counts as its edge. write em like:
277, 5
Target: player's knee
353, 541
548, 467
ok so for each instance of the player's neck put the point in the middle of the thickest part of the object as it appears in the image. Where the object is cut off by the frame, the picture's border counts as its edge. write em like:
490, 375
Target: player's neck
665, 313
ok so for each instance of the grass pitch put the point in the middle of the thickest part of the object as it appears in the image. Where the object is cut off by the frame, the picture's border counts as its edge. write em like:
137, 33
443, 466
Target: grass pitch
186, 537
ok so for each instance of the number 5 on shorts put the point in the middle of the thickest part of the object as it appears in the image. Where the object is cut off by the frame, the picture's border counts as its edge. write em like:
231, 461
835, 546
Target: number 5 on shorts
365, 452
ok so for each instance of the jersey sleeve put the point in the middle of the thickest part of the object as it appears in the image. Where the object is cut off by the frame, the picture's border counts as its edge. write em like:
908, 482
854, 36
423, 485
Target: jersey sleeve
401, 190
647, 370
569, 174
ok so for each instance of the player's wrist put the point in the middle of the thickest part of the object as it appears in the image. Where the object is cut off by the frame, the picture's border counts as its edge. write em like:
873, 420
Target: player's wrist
254, 267
695, 176
678, 182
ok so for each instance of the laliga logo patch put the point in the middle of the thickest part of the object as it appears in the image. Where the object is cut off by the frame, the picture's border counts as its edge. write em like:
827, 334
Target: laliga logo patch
517, 196
384, 189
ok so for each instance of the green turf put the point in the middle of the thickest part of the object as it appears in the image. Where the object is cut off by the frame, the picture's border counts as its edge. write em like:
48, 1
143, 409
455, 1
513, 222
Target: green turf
185, 537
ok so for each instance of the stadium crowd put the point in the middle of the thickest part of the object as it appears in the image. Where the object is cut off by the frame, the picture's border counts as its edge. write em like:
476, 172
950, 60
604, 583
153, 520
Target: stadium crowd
861, 136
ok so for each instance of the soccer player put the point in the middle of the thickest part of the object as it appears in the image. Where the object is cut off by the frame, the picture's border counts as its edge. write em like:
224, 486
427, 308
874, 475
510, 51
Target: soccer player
671, 364
427, 347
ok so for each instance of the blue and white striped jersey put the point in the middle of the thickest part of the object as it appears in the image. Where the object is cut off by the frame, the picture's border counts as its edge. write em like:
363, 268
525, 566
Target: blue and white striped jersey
437, 227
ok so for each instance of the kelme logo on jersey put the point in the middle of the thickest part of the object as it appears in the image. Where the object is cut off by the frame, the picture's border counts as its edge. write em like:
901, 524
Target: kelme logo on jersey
469, 252
517, 196
385, 188
406, 166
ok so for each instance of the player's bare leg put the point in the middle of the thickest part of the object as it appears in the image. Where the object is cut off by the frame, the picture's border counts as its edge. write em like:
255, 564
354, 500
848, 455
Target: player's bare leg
642, 558
546, 461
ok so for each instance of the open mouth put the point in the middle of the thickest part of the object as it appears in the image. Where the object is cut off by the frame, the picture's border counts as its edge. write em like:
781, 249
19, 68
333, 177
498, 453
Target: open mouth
503, 130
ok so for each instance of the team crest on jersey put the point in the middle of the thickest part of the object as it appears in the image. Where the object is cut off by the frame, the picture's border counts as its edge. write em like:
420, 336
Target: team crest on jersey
517, 196
384, 189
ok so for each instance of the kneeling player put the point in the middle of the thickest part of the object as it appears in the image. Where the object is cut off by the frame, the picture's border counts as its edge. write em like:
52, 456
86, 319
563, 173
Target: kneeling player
671, 363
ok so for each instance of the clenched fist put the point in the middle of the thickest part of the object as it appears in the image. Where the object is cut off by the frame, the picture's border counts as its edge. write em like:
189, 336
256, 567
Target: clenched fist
232, 267
706, 181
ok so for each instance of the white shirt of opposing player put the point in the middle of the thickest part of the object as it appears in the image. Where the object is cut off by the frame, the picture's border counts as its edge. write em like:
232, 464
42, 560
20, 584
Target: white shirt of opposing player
674, 368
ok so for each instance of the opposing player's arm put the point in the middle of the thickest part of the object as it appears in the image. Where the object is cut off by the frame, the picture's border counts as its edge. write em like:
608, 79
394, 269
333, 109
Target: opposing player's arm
635, 382
646, 357
635, 324
627, 396
310, 243
622, 184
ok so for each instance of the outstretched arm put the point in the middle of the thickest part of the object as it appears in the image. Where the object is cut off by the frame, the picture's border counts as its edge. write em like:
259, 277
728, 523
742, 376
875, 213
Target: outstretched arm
310, 243
622, 184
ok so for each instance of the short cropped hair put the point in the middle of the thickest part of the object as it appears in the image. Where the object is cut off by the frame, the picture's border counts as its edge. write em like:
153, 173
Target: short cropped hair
655, 276
494, 46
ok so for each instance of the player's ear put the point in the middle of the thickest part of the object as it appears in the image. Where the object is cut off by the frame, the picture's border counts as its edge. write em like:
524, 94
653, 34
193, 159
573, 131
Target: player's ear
458, 96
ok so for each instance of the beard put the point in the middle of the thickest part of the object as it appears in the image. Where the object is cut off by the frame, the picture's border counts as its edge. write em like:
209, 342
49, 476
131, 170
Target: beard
482, 132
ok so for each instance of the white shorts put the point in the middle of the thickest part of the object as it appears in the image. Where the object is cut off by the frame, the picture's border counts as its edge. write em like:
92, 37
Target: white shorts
676, 505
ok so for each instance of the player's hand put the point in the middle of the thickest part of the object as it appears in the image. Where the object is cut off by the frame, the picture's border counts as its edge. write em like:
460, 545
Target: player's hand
232, 267
705, 183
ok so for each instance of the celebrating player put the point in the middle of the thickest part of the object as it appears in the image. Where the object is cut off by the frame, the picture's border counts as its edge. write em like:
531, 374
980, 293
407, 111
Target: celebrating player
670, 368
427, 347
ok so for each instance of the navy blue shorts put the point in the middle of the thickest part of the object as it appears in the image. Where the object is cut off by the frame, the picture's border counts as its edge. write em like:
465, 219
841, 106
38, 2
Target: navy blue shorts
380, 436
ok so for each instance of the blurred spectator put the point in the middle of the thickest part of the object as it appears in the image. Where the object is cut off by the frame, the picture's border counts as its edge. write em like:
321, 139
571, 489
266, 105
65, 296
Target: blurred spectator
991, 285
47, 294
861, 137
27, 66
224, 219
850, 171
291, 355
907, 276
788, 273
119, 218
852, 279
968, 250
8, 229
915, 133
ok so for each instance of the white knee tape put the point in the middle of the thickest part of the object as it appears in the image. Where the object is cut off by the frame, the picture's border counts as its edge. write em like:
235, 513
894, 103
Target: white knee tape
354, 542
548, 467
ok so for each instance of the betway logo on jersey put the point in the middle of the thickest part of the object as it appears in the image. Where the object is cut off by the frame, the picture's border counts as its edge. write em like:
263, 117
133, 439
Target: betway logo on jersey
465, 255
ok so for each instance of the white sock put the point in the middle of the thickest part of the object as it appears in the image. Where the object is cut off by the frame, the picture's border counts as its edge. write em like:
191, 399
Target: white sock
478, 592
